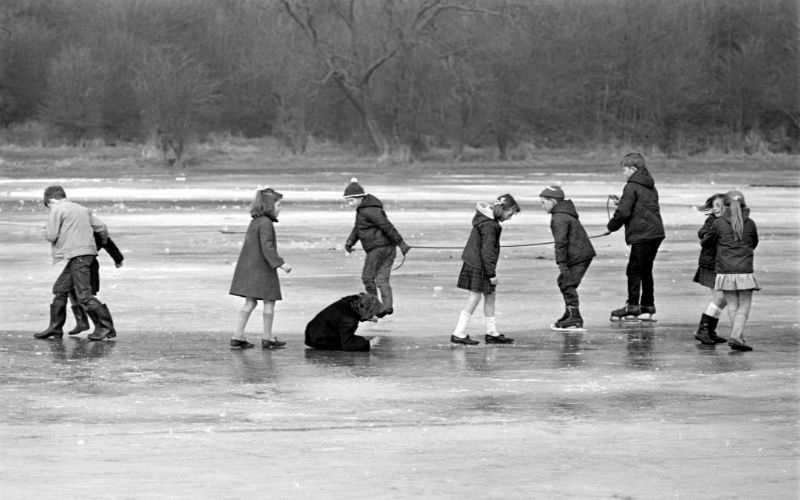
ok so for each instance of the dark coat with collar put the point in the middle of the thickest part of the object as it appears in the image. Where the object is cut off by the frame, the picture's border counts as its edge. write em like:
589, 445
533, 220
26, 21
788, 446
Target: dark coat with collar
255, 274
372, 226
334, 328
638, 210
708, 246
483, 246
733, 256
572, 244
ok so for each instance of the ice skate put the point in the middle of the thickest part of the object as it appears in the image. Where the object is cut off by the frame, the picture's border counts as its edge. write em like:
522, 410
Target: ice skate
647, 314
626, 313
571, 321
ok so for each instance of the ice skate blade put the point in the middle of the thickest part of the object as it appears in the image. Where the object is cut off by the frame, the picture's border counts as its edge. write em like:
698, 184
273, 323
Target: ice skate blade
568, 329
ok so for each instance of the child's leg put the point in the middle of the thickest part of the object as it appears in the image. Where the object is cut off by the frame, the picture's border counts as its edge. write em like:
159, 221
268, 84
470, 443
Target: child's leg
732, 298
649, 257
244, 315
466, 313
370, 271
268, 315
386, 260
739, 320
488, 313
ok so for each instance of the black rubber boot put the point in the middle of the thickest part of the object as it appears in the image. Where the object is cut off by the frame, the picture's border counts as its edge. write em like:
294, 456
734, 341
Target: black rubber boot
58, 315
81, 320
712, 329
113, 332
103, 325
704, 330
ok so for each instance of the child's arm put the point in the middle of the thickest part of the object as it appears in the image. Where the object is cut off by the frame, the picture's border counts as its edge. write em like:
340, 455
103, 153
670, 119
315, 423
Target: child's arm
489, 253
53, 228
560, 230
266, 235
111, 248
624, 209
754, 235
351, 240
378, 217
710, 237
98, 226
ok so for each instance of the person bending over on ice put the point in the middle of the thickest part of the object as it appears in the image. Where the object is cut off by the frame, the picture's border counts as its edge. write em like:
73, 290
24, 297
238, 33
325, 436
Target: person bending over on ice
638, 210
81, 320
256, 277
478, 269
334, 328
70, 231
574, 252
379, 238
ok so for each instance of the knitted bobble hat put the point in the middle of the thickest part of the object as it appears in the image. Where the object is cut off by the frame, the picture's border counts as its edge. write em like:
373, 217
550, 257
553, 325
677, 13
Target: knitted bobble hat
354, 189
553, 191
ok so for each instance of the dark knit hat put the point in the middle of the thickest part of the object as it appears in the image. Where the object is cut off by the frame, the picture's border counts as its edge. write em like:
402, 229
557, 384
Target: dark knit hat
354, 189
553, 191
508, 203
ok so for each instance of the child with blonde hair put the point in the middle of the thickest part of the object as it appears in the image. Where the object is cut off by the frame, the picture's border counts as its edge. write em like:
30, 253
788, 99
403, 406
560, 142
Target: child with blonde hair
736, 237
255, 277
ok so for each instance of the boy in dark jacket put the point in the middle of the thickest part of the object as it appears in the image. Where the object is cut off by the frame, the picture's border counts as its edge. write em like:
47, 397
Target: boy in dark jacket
334, 328
638, 210
574, 252
81, 320
379, 238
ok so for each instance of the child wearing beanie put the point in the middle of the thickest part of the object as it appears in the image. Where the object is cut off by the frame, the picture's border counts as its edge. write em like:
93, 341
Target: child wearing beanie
574, 253
478, 271
379, 239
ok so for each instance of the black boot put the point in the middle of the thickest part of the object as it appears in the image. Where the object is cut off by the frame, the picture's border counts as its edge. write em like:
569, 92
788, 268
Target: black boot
704, 330
81, 320
103, 324
58, 315
113, 332
712, 329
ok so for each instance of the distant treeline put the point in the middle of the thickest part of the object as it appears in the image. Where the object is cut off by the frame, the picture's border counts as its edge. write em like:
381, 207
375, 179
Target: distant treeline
398, 77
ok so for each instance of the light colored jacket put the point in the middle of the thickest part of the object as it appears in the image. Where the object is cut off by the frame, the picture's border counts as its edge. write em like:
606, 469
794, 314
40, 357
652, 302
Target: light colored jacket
71, 228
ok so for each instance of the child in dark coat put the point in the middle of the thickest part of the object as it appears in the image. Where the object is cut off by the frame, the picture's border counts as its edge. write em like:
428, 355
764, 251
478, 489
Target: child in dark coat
81, 319
706, 276
334, 328
574, 252
638, 210
478, 272
379, 238
736, 237
256, 276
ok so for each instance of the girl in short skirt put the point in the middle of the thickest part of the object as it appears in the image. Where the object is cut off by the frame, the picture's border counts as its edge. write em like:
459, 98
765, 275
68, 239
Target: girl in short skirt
736, 237
478, 270
705, 275
256, 276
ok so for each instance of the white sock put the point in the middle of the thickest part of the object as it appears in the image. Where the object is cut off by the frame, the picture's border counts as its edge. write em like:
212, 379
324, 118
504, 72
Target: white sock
491, 326
713, 311
461, 326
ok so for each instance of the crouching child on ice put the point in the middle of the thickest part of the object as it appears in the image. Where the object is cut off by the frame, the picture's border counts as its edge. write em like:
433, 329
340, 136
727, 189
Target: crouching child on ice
478, 271
574, 252
334, 328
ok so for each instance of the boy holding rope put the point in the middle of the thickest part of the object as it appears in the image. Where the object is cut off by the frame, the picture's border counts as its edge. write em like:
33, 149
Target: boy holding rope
379, 238
574, 252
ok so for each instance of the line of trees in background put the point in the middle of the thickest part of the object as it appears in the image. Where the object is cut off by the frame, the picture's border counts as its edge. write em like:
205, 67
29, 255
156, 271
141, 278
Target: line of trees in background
397, 77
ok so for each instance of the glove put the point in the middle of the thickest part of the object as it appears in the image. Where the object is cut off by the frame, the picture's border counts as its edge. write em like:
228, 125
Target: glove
405, 247
348, 248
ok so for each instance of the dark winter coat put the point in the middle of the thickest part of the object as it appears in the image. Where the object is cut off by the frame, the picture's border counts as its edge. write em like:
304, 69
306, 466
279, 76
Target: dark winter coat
483, 246
334, 328
373, 227
708, 247
256, 275
572, 244
734, 256
638, 210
